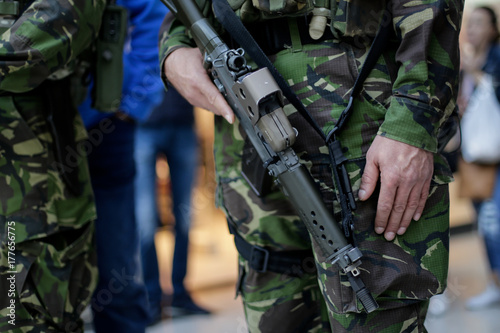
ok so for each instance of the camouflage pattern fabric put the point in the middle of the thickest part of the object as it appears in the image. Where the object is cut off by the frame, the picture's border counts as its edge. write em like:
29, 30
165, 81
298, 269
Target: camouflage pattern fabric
283, 7
407, 97
47, 257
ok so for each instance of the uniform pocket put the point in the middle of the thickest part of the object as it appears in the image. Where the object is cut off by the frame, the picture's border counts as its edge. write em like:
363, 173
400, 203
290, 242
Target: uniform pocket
412, 266
16, 136
23, 160
274, 8
62, 267
236, 4
356, 18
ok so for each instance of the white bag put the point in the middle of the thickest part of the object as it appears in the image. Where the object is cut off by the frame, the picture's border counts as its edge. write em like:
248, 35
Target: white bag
480, 125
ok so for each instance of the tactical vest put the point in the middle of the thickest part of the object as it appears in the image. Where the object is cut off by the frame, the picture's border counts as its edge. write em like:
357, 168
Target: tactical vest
254, 10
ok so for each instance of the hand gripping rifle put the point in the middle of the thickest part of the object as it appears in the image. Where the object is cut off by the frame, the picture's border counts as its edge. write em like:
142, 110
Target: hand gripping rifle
257, 101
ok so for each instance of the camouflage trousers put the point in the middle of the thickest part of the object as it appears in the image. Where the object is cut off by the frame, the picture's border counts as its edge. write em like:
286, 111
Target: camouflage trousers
47, 256
402, 274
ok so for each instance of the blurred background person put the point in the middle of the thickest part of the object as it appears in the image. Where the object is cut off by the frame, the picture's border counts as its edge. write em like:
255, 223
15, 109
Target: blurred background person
170, 130
480, 57
120, 303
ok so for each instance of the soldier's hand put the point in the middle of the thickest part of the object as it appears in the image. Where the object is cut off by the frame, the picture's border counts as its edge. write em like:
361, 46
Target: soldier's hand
405, 175
184, 70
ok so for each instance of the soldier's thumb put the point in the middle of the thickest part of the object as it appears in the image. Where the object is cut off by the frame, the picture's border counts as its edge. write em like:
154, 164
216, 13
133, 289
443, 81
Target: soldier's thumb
368, 181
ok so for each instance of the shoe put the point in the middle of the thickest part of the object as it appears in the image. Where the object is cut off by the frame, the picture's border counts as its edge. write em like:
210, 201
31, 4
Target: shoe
159, 317
184, 305
490, 296
87, 318
160, 312
438, 305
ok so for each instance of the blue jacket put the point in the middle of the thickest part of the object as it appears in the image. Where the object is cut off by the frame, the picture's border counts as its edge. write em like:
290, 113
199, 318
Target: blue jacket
142, 87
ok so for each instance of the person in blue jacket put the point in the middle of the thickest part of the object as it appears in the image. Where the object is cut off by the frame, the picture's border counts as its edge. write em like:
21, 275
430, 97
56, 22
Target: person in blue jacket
120, 303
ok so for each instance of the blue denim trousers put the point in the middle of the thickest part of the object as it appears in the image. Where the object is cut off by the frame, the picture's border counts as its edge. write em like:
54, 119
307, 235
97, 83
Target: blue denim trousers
119, 303
178, 142
489, 226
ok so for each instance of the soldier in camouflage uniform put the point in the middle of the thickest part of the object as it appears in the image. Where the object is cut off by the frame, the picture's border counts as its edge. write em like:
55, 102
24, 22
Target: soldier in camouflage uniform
48, 268
402, 220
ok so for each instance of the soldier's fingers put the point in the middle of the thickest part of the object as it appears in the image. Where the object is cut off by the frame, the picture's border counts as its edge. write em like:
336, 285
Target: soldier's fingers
184, 70
218, 104
384, 206
368, 180
398, 210
423, 199
411, 208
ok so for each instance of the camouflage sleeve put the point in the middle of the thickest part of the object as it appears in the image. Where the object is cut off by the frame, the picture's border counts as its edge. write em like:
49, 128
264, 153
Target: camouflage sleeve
48, 36
425, 89
174, 35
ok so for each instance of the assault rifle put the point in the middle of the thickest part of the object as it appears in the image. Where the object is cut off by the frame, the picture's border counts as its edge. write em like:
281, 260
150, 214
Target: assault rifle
257, 102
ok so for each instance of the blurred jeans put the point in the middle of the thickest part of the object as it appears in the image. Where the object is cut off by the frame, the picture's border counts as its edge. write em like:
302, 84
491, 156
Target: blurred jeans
489, 226
119, 303
178, 142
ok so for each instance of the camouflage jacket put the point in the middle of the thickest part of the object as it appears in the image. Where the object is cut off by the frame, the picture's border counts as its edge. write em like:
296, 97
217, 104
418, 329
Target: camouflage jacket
48, 36
46, 39
421, 62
